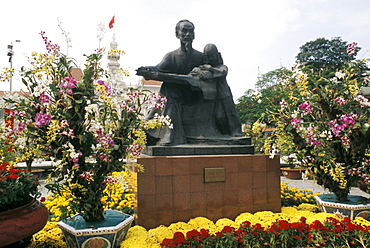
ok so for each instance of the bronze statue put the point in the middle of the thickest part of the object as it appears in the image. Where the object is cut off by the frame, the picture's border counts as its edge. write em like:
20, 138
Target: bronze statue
181, 61
200, 102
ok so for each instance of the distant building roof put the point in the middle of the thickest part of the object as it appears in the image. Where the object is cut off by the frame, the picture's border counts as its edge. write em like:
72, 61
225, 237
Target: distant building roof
151, 82
2, 93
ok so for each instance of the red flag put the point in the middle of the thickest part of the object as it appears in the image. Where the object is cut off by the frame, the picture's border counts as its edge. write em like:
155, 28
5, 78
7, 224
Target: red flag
111, 22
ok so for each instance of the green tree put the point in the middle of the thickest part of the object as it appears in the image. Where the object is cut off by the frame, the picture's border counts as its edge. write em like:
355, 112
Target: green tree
253, 104
324, 53
273, 78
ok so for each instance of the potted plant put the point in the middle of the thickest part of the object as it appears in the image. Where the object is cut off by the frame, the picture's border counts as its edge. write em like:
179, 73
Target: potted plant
326, 120
89, 129
21, 214
293, 170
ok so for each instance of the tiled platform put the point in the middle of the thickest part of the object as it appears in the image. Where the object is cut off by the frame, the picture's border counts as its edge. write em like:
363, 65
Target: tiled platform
172, 188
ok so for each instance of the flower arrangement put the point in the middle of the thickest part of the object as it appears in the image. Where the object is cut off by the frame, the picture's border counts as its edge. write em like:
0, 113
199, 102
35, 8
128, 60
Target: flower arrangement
271, 227
324, 121
332, 232
118, 196
17, 187
82, 124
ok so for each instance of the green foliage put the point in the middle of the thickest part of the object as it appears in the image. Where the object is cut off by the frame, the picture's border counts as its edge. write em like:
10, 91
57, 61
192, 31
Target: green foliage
323, 120
272, 78
253, 104
320, 53
17, 187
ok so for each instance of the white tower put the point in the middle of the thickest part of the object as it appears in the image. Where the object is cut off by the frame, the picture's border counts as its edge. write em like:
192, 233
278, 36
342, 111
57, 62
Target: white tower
113, 58
115, 72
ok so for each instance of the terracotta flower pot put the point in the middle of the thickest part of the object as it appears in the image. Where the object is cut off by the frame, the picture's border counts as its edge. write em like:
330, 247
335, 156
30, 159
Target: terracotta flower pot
22, 222
37, 172
295, 173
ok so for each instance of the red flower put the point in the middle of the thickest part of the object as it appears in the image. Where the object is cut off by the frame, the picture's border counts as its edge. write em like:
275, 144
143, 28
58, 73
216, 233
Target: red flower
42, 199
203, 233
4, 165
228, 229
14, 171
169, 243
192, 234
13, 176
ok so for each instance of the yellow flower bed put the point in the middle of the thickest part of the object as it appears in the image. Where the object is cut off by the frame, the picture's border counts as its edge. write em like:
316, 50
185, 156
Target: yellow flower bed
291, 196
138, 236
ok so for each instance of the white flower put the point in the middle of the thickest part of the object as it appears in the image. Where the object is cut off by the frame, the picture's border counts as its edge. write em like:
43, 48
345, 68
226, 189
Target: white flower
340, 75
295, 114
305, 175
283, 104
92, 108
57, 164
326, 134
274, 150
21, 142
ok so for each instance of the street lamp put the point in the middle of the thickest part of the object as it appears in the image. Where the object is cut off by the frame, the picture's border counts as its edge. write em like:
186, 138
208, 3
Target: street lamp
10, 54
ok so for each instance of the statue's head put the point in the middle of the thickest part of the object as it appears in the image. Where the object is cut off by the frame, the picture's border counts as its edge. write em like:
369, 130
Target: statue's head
185, 31
212, 56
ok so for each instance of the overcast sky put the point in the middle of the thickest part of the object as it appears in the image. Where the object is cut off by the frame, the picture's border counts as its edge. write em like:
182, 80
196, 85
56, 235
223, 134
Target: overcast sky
254, 37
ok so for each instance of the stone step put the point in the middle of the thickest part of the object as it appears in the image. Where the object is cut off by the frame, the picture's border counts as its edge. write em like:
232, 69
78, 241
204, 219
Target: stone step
192, 149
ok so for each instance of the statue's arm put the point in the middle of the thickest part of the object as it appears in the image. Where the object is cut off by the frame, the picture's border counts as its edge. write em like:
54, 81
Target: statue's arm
215, 72
152, 73
172, 78
157, 72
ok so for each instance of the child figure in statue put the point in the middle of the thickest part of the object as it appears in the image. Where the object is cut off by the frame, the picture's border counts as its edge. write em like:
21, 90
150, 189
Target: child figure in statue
215, 72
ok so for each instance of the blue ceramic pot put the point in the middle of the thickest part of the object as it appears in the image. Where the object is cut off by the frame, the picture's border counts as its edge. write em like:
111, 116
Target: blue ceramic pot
108, 233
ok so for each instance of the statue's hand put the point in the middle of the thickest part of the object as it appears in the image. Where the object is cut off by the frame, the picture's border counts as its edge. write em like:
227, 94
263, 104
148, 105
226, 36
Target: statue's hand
205, 67
201, 72
148, 72
196, 71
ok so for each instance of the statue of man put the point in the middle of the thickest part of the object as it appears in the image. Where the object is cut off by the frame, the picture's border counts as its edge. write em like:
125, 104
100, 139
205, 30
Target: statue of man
178, 62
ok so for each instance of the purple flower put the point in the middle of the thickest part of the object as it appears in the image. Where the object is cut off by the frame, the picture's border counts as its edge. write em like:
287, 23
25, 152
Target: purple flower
71, 85
44, 98
68, 85
42, 119
306, 107
351, 48
21, 127
341, 101
348, 119
70, 79
107, 88
69, 91
311, 138
295, 122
